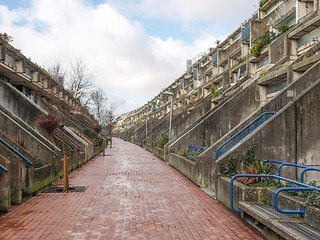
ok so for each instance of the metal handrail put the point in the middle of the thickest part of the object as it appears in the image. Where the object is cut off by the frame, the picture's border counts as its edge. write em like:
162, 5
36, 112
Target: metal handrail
304, 17
235, 139
28, 164
275, 197
153, 134
161, 135
2, 168
195, 148
306, 168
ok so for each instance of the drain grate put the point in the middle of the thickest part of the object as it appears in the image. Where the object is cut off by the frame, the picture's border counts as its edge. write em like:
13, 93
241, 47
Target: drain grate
60, 189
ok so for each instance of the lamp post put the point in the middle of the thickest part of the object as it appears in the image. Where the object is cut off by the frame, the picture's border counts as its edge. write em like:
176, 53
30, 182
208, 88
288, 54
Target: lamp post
146, 127
170, 124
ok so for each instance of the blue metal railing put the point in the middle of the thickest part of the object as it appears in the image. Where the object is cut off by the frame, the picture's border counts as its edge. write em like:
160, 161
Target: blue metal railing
2, 168
28, 162
153, 134
235, 139
305, 187
306, 168
161, 135
304, 17
194, 149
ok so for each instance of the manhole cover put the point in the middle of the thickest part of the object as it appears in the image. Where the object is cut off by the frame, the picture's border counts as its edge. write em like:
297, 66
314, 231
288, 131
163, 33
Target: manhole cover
60, 189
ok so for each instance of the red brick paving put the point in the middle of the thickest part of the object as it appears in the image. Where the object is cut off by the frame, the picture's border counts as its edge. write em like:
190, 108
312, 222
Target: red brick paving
131, 195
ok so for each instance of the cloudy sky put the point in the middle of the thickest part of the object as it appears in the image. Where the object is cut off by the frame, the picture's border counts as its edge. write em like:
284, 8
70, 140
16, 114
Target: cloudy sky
134, 48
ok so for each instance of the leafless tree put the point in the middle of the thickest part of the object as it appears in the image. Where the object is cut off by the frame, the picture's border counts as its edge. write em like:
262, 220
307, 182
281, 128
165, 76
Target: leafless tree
99, 100
80, 81
58, 72
109, 118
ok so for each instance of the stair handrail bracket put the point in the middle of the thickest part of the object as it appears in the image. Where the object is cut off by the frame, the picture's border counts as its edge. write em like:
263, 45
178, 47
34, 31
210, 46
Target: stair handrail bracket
235, 139
304, 187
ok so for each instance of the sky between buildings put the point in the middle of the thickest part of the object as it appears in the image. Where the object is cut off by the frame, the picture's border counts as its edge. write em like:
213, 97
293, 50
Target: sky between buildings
134, 48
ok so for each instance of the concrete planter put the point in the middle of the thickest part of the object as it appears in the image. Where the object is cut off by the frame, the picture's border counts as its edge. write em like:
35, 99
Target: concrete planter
42, 177
241, 192
159, 152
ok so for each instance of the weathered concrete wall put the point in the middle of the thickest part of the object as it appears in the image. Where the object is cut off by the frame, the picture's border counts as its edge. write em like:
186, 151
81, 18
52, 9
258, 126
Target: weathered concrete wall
222, 120
291, 135
5, 188
18, 104
277, 48
34, 145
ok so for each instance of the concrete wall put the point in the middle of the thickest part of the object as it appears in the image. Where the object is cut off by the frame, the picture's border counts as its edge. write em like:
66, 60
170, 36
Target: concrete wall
291, 135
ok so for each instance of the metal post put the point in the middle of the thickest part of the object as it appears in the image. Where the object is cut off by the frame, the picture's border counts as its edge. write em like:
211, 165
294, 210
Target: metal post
136, 131
65, 172
170, 119
146, 127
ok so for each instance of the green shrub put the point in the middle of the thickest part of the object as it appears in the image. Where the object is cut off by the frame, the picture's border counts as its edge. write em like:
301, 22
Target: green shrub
312, 197
262, 2
261, 43
37, 163
163, 140
228, 168
283, 27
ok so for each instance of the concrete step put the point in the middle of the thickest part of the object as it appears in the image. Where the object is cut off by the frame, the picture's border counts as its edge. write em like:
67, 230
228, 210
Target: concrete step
265, 218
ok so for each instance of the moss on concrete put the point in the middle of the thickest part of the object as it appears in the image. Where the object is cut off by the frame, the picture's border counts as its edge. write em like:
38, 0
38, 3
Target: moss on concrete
39, 184
5, 203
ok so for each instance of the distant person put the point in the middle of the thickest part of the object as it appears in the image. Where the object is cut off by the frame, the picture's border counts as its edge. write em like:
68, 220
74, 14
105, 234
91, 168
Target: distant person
110, 140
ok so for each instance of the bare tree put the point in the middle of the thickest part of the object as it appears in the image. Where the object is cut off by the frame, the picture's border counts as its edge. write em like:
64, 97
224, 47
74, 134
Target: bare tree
109, 118
58, 72
99, 100
80, 81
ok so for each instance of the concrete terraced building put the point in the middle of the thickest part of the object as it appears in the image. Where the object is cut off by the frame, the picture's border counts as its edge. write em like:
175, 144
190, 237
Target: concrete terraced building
30, 158
259, 87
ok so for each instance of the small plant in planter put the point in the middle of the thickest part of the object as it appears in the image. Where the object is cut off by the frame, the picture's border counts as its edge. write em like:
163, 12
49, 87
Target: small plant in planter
97, 128
22, 143
258, 167
49, 122
37, 163
283, 28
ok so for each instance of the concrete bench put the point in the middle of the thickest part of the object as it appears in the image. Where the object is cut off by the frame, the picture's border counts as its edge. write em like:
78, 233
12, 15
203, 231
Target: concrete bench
265, 218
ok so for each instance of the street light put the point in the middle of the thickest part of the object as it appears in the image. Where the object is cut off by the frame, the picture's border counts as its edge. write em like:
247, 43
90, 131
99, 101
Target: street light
171, 95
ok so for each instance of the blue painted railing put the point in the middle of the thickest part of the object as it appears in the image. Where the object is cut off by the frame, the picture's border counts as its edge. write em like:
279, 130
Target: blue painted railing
2, 168
153, 133
282, 164
304, 17
28, 162
194, 149
161, 135
235, 139
305, 187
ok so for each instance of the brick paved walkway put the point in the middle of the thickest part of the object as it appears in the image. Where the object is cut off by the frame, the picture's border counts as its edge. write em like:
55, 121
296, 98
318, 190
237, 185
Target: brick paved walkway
131, 195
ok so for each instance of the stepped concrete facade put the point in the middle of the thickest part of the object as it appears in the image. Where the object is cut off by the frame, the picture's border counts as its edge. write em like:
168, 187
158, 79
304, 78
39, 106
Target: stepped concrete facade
31, 159
269, 65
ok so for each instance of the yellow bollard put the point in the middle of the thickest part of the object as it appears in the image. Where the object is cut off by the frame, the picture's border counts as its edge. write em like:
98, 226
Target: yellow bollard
65, 172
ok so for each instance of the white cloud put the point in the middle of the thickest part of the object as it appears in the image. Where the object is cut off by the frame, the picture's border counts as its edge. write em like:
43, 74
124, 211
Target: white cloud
192, 10
124, 59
